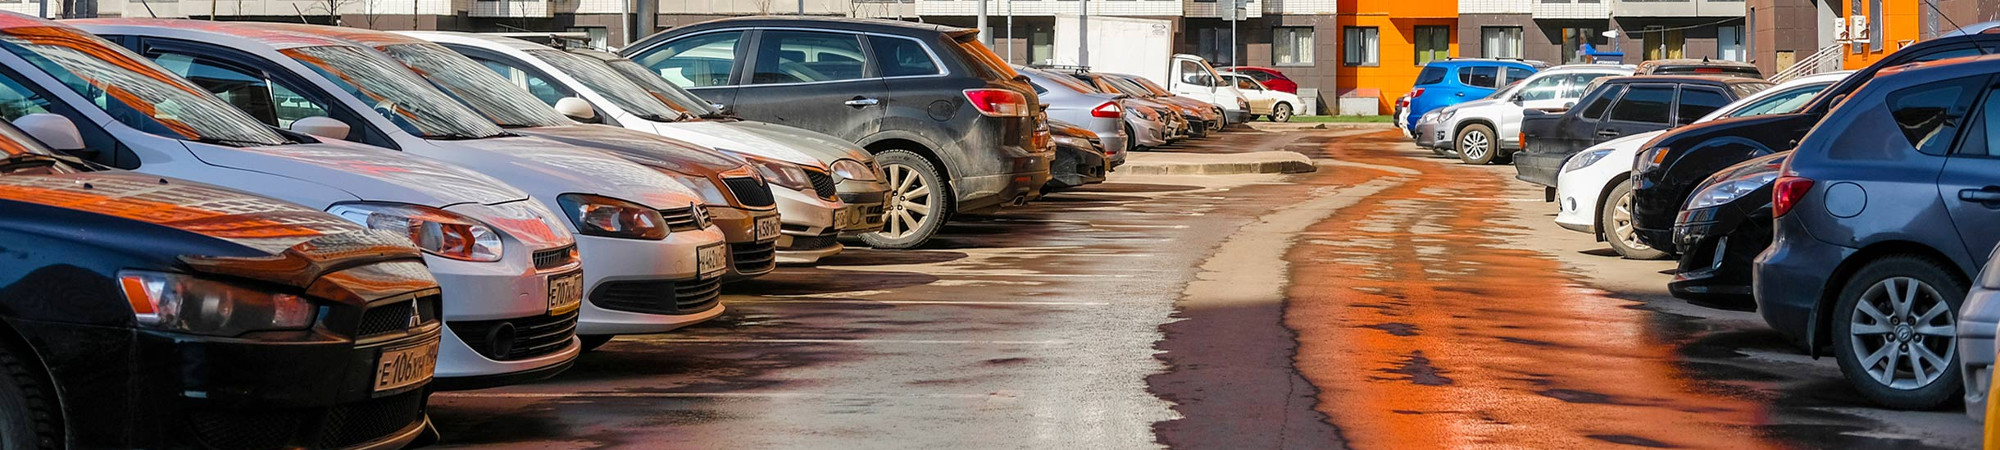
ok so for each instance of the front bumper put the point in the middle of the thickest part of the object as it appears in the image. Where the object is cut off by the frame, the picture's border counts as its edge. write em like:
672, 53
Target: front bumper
1149, 134
1716, 260
810, 227
636, 286
480, 294
1975, 329
1235, 116
1538, 168
862, 208
749, 256
1577, 193
1427, 136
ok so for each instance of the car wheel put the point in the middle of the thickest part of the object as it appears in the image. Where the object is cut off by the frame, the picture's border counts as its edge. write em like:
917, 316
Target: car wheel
1614, 219
1893, 332
919, 201
1281, 113
1476, 146
28, 415
1131, 139
592, 342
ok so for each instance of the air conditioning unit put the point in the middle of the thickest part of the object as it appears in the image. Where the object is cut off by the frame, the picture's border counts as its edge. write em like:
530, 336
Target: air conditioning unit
1858, 31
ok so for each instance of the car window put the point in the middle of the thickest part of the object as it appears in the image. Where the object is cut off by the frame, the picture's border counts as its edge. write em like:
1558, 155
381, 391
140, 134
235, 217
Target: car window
697, 61
1517, 74
1545, 88
1929, 115
1603, 101
399, 95
18, 99
898, 57
543, 89
134, 90
1247, 83
1697, 102
475, 86
1784, 102
599, 77
1259, 76
1578, 83
249, 90
1748, 89
1480, 76
1644, 104
808, 57
1191, 73
1431, 75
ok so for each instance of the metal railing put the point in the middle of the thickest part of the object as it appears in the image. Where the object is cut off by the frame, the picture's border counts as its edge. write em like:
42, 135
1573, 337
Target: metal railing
1827, 59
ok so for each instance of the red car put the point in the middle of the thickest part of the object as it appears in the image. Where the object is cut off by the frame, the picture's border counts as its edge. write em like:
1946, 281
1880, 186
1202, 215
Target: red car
1271, 78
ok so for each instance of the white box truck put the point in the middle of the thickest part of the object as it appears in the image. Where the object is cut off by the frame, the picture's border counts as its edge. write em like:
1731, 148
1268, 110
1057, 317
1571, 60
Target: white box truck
1144, 47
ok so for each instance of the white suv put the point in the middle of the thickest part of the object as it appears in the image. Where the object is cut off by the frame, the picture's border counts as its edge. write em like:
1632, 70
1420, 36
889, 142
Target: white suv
1487, 131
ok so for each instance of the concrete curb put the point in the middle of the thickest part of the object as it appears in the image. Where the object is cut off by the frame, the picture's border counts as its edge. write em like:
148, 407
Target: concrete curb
1166, 163
1295, 126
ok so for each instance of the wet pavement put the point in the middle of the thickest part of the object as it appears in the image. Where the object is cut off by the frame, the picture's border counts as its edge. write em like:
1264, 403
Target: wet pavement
1391, 300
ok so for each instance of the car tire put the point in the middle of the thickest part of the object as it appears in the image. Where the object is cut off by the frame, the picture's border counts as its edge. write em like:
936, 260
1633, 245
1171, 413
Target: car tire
29, 418
1858, 335
592, 342
1281, 113
1614, 220
915, 187
1476, 145
1131, 139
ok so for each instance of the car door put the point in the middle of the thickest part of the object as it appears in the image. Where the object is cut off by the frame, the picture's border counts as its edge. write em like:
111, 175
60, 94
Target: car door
816, 80
708, 64
1191, 78
1696, 102
274, 97
1474, 82
1577, 129
1969, 185
1540, 93
1644, 107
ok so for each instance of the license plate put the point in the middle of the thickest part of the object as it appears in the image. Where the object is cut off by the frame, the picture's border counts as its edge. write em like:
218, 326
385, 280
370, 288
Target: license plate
767, 228
712, 260
402, 367
565, 293
840, 218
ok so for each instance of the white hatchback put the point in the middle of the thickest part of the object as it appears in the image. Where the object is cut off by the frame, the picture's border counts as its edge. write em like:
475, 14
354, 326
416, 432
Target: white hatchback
1487, 131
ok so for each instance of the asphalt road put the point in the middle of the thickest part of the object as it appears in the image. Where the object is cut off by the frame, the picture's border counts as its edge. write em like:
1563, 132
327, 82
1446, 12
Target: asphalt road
1391, 300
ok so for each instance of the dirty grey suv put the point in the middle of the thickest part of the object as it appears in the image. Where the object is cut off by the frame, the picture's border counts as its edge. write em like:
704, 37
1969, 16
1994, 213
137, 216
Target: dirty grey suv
953, 127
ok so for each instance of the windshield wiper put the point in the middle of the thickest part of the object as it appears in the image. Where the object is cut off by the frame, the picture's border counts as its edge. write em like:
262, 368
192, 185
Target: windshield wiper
231, 142
656, 117
459, 136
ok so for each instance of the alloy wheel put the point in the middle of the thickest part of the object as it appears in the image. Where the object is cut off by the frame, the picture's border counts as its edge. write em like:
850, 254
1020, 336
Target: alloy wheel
1621, 224
909, 202
1901, 333
1473, 145
1283, 113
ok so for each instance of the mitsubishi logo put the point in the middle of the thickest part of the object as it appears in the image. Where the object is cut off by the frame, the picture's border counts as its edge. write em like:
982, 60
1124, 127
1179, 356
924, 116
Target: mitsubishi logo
416, 314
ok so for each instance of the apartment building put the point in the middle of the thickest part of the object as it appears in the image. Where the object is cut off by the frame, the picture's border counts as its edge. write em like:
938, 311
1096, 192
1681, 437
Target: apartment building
1877, 28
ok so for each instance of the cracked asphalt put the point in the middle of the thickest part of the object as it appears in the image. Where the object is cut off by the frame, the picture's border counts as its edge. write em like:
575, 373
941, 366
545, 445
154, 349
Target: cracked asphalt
1390, 300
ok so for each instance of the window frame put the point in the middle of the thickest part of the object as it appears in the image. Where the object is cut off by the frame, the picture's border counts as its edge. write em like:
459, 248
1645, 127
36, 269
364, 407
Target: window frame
361, 128
1417, 41
1312, 39
1519, 47
1673, 101
868, 45
1366, 48
737, 59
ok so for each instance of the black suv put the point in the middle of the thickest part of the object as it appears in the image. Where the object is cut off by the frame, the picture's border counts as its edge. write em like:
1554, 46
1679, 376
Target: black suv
142, 312
1671, 165
930, 101
1619, 107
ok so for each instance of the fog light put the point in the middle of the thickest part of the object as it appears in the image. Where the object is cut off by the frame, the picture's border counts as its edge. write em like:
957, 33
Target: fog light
500, 340
1569, 204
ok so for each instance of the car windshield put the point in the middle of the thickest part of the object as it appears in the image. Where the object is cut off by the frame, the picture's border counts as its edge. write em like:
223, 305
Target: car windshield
659, 87
134, 90
395, 92
476, 87
1131, 88
610, 84
1748, 89
1069, 82
1149, 85
1785, 102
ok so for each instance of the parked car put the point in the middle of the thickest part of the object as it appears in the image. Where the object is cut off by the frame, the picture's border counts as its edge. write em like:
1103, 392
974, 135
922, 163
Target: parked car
1453, 81
1272, 104
1080, 157
103, 348
1977, 321
1618, 107
1191, 76
1594, 194
1669, 167
1201, 118
1430, 132
1402, 115
738, 201
1271, 78
1487, 130
933, 104
481, 238
1703, 66
1883, 214
1072, 102
652, 262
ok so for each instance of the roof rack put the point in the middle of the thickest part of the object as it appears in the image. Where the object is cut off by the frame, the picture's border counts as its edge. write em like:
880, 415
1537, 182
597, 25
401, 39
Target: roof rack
1061, 68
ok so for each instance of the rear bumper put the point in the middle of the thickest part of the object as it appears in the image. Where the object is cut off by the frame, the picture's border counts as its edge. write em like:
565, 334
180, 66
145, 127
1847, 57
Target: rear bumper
1022, 181
1788, 277
1077, 167
1538, 168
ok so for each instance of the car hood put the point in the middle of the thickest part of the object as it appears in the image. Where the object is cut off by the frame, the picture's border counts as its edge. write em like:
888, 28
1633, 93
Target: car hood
176, 224
724, 136
547, 169
641, 147
367, 173
819, 145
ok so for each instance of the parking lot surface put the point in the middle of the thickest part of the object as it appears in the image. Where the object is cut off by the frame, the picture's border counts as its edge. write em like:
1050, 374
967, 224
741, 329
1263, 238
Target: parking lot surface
1391, 299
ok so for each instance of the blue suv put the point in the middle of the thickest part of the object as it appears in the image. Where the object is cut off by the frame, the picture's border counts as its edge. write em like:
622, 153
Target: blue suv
1453, 81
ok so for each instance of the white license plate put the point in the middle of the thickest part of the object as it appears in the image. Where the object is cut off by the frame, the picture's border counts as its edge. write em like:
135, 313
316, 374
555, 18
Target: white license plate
712, 260
565, 293
403, 367
767, 228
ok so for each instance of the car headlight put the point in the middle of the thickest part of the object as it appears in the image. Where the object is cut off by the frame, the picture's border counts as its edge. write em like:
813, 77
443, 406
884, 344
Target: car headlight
1729, 190
182, 303
1650, 159
780, 173
1431, 116
706, 188
1585, 159
849, 169
436, 231
1242, 104
1447, 114
609, 217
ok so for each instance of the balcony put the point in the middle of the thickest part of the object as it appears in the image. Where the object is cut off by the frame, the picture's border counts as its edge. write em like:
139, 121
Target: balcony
1571, 9
1677, 8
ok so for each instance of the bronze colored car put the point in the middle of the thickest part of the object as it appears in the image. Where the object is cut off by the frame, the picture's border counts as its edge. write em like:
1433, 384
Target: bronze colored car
1080, 157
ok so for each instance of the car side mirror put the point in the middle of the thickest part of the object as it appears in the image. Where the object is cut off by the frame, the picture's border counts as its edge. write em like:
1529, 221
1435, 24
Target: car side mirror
322, 126
1568, 105
722, 109
55, 131
576, 108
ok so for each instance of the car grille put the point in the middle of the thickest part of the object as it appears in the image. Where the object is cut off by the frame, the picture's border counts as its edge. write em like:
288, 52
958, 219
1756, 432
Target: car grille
750, 192
822, 184
755, 257
341, 426
526, 337
829, 239
658, 297
682, 219
395, 317
555, 257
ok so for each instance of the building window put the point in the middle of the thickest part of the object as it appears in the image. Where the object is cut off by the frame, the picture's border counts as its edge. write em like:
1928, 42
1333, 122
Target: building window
1729, 43
1500, 42
1574, 41
1041, 46
1213, 45
1363, 47
1433, 43
1662, 43
1292, 46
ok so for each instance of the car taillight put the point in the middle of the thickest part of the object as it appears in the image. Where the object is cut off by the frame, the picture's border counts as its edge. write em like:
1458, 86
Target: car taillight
1108, 110
1707, 70
998, 102
1414, 93
1786, 192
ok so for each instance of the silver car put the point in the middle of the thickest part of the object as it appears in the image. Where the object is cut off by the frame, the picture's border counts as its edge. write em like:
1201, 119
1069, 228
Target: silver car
1075, 103
1976, 323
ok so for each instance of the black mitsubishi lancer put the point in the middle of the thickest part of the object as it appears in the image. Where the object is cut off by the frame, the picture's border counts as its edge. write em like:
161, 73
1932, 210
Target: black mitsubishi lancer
144, 312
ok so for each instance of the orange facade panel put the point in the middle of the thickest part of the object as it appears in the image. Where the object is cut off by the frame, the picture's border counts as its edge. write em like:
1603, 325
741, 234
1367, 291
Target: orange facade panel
1899, 27
1397, 68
